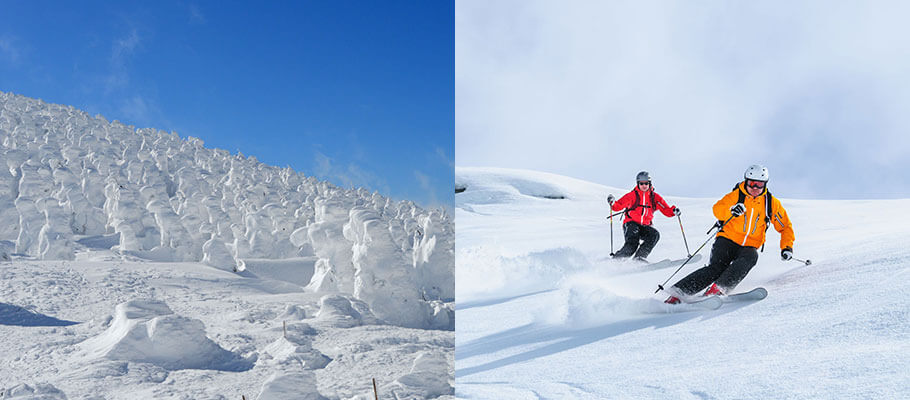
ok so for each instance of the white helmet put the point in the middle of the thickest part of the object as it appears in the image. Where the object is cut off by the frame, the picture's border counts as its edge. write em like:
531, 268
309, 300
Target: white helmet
756, 173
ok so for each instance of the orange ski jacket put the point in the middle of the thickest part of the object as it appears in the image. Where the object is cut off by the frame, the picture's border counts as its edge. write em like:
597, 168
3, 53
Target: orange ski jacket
749, 229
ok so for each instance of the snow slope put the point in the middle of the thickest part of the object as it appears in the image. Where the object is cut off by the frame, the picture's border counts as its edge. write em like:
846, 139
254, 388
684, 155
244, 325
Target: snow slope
544, 313
138, 264
159, 197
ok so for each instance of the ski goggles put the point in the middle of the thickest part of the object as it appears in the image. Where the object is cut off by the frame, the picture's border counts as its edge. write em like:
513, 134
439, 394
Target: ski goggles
645, 183
755, 184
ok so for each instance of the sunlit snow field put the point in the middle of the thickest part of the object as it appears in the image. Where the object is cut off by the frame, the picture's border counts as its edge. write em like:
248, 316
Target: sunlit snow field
224, 338
139, 264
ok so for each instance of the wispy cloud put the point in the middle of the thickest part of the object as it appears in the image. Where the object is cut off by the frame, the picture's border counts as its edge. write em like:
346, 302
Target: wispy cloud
138, 110
9, 51
431, 189
122, 51
424, 181
348, 175
356, 148
441, 153
196, 15
124, 47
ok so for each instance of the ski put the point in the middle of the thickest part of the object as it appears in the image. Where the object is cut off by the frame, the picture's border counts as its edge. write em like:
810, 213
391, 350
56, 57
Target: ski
715, 302
662, 264
752, 295
667, 263
710, 303
706, 303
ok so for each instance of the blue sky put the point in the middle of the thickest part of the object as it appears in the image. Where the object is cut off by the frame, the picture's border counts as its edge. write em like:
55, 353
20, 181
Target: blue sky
360, 93
693, 92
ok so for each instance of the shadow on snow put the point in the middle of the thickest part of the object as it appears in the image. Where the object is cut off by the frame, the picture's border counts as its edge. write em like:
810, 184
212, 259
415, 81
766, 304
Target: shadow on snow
568, 339
490, 302
18, 316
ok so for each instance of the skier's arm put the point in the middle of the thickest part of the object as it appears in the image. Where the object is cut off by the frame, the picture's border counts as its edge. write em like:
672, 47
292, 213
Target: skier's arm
624, 202
782, 224
662, 205
722, 207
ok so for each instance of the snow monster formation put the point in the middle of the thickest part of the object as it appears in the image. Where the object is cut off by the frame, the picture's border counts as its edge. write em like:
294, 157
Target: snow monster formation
69, 176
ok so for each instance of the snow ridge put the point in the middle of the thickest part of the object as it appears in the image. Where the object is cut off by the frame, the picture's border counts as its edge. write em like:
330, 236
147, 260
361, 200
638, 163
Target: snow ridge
72, 178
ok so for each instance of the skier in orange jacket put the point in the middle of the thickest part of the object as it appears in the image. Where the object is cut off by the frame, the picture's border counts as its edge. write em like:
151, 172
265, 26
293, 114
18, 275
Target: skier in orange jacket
735, 249
640, 205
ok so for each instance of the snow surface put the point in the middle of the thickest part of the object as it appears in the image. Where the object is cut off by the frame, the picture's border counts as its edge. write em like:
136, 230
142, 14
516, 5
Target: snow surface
544, 313
138, 264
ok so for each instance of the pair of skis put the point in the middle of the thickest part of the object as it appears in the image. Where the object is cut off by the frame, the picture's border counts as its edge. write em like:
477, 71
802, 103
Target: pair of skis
702, 303
715, 302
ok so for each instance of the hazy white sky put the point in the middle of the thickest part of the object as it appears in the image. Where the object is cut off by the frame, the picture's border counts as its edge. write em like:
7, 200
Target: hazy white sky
694, 92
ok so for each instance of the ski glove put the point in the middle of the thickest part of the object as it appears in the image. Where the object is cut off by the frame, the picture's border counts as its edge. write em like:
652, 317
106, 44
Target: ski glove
610, 199
738, 209
786, 254
676, 211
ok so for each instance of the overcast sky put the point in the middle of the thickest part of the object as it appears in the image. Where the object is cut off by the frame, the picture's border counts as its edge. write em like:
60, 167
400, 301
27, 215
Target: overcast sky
694, 92
359, 93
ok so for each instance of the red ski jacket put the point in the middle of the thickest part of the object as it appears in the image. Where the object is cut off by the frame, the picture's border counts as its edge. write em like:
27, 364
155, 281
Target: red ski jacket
640, 206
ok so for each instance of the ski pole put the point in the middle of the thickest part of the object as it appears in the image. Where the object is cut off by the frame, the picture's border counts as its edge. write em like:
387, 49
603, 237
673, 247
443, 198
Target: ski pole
717, 225
684, 235
611, 224
807, 262
616, 213
611, 233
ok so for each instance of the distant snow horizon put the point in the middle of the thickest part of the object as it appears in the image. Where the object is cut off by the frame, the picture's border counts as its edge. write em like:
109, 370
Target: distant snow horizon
661, 187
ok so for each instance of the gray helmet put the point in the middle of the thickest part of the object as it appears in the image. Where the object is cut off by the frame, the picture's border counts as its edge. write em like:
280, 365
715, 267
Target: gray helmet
643, 176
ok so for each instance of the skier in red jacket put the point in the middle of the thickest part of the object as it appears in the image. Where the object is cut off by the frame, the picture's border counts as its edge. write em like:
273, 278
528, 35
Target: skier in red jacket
640, 204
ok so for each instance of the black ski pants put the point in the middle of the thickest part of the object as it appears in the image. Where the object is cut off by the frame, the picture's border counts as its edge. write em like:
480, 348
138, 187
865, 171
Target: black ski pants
640, 240
728, 266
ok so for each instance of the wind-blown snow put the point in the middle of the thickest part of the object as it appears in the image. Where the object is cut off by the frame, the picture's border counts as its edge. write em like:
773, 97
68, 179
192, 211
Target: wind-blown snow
140, 264
544, 313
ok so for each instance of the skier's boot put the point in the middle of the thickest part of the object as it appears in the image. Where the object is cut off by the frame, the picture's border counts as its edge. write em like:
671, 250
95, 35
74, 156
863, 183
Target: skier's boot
713, 291
675, 295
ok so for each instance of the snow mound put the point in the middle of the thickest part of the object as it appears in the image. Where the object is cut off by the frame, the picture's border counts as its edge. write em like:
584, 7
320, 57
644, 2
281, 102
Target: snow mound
290, 386
292, 312
216, 254
340, 311
443, 315
148, 331
40, 391
295, 349
424, 381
